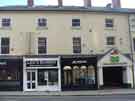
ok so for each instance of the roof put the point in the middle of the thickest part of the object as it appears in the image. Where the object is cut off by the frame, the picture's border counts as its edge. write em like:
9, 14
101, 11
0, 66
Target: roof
67, 8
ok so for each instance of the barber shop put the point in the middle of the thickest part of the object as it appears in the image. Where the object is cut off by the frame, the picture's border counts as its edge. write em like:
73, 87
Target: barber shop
42, 74
115, 70
78, 72
11, 73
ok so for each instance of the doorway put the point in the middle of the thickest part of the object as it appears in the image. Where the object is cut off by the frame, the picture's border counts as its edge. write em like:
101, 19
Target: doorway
31, 80
113, 76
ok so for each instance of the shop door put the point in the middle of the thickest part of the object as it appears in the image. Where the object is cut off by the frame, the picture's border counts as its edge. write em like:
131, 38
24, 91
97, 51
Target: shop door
31, 80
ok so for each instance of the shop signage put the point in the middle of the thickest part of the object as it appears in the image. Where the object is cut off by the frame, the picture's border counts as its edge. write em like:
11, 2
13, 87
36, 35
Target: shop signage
115, 56
79, 62
41, 63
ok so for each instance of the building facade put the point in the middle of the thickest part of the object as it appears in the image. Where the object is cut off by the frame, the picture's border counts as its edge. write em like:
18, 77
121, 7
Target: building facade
64, 48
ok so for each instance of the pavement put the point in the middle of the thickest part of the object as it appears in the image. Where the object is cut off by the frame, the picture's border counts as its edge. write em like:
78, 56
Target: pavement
73, 93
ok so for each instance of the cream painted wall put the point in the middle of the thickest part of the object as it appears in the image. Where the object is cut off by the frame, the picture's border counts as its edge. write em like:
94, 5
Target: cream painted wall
59, 32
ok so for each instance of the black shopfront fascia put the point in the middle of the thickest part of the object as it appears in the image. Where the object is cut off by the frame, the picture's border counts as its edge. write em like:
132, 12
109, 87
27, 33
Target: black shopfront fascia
11, 74
78, 61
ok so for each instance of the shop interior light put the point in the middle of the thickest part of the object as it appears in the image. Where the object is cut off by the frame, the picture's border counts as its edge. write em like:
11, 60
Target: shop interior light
67, 68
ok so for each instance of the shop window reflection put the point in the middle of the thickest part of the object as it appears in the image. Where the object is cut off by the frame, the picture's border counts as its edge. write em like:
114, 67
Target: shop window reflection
47, 77
91, 75
53, 77
76, 75
79, 75
67, 75
9, 74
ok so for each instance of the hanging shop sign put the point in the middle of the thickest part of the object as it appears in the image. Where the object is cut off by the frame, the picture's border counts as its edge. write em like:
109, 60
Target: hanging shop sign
41, 63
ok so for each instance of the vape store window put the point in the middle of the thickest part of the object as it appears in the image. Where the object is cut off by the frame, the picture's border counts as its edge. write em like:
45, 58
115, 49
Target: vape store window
47, 77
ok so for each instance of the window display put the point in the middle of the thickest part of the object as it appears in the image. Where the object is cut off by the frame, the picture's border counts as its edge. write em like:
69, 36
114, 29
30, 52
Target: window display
47, 77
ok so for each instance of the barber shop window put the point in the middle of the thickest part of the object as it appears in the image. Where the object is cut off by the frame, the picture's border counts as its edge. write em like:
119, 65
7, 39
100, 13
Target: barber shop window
42, 22
110, 40
76, 45
6, 22
5, 45
75, 22
42, 47
109, 23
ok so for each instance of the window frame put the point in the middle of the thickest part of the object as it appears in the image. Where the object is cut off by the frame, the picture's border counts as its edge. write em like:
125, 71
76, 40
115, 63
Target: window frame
6, 22
76, 22
109, 22
44, 46
42, 22
112, 42
6, 46
77, 46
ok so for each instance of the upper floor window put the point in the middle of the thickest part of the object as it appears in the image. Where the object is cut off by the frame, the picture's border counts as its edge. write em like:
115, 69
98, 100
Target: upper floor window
109, 22
76, 45
42, 47
75, 22
42, 22
6, 22
110, 40
134, 43
5, 42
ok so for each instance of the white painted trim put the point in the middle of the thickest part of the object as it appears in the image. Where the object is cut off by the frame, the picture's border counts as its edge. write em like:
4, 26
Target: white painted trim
42, 88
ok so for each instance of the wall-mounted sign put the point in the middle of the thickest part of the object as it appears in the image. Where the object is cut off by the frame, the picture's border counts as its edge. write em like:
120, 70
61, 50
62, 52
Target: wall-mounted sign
79, 61
115, 56
41, 63
115, 59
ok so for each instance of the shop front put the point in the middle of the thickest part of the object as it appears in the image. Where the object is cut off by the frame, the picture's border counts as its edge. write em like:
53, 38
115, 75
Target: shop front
11, 73
78, 72
115, 70
42, 74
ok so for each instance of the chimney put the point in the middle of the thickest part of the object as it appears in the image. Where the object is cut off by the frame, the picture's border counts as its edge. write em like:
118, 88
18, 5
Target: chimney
60, 3
30, 3
87, 3
116, 3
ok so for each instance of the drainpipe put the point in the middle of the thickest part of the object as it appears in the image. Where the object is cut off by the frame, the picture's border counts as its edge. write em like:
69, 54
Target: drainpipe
132, 50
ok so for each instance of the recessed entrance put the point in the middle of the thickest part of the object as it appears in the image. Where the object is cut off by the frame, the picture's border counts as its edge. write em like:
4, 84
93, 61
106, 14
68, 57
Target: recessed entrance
112, 76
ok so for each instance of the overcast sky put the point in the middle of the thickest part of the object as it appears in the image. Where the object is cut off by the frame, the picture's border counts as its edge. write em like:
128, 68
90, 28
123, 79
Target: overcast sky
125, 3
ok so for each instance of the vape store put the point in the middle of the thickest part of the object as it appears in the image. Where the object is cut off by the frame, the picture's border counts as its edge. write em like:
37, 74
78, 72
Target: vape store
11, 76
42, 74
79, 72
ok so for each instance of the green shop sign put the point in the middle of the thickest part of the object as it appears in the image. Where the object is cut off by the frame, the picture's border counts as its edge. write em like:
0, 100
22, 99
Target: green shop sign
115, 59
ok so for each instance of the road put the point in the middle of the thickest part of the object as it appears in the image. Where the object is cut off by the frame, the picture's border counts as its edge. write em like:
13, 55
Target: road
69, 98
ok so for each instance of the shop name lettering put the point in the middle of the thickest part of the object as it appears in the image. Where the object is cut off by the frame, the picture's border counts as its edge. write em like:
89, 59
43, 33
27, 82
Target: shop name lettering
41, 63
79, 62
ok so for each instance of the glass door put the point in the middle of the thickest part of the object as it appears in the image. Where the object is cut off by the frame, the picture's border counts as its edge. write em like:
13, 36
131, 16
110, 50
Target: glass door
31, 80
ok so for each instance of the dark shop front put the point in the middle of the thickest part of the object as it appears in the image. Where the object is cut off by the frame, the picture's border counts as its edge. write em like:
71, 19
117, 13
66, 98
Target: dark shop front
11, 69
78, 73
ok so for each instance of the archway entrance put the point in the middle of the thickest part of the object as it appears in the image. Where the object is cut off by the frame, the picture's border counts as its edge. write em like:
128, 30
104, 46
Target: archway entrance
113, 77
